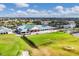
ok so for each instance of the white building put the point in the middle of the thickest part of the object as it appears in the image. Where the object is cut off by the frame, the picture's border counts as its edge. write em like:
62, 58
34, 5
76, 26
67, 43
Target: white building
69, 27
31, 28
4, 30
71, 24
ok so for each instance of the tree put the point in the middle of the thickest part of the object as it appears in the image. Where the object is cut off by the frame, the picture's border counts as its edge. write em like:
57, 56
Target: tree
37, 22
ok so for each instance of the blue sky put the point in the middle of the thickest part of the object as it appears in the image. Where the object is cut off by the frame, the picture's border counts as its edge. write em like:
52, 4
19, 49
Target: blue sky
39, 9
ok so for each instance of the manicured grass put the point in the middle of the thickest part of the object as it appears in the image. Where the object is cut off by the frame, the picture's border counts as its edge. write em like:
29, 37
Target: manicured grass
59, 41
48, 43
49, 37
11, 45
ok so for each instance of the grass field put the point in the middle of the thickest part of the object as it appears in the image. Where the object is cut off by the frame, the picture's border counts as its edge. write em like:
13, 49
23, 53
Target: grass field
50, 37
11, 45
61, 44
49, 44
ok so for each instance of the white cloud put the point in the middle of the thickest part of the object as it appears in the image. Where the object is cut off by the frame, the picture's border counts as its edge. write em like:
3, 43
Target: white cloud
2, 7
22, 5
12, 9
32, 11
37, 13
75, 8
16, 15
19, 11
58, 11
59, 8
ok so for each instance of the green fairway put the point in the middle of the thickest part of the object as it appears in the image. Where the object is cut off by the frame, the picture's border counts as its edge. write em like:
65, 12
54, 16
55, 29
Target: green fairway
60, 43
11, 45
52, 44
50, 37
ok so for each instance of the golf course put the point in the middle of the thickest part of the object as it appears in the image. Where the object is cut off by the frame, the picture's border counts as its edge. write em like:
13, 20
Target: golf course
11, 45
48, 44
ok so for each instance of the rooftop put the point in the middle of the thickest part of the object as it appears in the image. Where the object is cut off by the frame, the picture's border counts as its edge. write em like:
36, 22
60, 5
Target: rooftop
33, 26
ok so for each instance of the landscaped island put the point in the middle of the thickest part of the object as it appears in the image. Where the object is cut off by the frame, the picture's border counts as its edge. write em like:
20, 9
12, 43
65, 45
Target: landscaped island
53, 44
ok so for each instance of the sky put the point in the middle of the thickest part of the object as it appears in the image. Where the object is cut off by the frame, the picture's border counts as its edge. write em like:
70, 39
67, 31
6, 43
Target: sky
39, 9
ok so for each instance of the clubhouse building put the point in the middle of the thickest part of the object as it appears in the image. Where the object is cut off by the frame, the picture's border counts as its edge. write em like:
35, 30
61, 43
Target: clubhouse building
32, 28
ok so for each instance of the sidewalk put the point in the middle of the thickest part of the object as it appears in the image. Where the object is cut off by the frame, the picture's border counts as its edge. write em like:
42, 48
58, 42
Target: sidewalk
25, 53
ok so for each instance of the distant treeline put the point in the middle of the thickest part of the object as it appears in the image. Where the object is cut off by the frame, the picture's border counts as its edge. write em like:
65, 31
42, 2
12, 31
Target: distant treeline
30, 18
55, 22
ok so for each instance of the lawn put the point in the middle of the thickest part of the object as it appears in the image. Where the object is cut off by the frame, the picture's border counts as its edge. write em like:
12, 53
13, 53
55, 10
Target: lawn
49, 44
61, 43
50, 37
11, 45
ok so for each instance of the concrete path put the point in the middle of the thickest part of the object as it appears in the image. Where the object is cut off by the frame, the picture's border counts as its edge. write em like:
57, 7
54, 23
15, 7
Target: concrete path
25, 53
